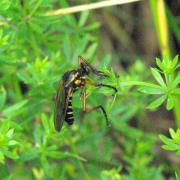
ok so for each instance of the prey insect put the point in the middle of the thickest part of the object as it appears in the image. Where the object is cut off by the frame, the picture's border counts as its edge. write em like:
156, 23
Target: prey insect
71, 82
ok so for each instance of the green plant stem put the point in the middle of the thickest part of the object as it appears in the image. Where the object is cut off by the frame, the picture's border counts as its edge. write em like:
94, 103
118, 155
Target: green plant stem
160, 21
86, 7
111, 105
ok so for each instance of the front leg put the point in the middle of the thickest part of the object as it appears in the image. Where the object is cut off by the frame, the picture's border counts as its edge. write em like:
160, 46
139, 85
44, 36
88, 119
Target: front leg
101, 85
83, 98
103, 111
83, 95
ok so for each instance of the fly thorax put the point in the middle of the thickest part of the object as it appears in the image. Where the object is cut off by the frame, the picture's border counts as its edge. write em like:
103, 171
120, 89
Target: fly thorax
80, 81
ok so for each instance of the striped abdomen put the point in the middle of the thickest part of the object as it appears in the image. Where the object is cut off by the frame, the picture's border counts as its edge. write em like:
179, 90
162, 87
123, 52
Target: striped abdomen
69, 113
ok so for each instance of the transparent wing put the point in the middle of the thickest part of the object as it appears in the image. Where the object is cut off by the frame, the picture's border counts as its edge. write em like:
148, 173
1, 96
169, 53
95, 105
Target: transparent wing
83, 61
61, 104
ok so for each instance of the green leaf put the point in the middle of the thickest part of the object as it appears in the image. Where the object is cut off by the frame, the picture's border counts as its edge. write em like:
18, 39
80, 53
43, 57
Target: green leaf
12, 143
4, 4
156, 103
10, 133
29, 155
177, 176
5, 126
24, 77
36, 27
172, 133
62, 155
91, 27
12, 155
91, 50
45, 122
165, 140
15, 109
178, 132
176, 80
170, 103
150, 90
171, 147
175, 61
159, 63
166, 60
83, 18
171, 144
158, 77
176, 92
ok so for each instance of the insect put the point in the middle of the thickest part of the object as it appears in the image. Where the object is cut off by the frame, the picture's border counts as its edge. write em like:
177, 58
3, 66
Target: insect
71, 82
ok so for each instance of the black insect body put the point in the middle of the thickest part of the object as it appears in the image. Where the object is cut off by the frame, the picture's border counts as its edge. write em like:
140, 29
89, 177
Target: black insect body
70, 83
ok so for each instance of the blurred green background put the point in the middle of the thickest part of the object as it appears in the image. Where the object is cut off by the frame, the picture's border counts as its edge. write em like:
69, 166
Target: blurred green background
123, 41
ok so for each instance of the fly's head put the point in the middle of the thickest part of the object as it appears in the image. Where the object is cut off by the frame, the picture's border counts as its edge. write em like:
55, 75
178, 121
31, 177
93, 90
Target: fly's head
84, 69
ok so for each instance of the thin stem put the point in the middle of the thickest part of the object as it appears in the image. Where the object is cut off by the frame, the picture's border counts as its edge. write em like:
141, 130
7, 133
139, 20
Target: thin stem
86, 7
111, 105
35, 8
160, 21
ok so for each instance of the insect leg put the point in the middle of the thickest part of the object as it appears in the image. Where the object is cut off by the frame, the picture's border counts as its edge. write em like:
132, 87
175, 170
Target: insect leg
103, 111
84, 99
99, 106
94, 108
79, 60
100, 85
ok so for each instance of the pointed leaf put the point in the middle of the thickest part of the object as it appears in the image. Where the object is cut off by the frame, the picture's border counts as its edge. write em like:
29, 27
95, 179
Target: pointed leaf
156, 103
45, 123
175, 61
150, 90
170, 147
177, 176
172, 133
170, 103
159, 63
158, 77
91, 50
10, 133
15, 109
91, 27
165, 139
176, 92
12, 143
176, 80
83, 18
29, 155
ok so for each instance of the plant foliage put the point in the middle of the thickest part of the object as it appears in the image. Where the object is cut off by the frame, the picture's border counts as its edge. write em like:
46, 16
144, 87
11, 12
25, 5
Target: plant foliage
35, 51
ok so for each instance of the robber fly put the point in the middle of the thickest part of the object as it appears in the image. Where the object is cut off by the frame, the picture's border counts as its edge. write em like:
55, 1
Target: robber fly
72, 81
